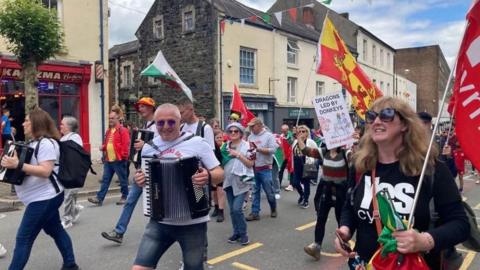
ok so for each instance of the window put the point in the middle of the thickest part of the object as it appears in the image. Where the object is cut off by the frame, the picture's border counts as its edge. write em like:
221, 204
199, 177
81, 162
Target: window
291, 90
381, 57
381, 86
320, 89
365, 51
292, 52
188, 17
127, 76
374, 54
51, 4
388, 60
388, 88
247, 66
158, 27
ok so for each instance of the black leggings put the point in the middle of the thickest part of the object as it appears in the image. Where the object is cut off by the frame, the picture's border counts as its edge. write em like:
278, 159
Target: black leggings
328, 195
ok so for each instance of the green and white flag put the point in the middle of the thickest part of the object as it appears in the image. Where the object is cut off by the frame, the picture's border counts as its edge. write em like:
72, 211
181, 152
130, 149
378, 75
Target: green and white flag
160, 69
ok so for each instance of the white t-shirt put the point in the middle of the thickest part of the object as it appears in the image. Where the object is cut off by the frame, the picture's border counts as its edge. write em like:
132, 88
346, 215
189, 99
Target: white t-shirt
34, 188
150, 125
208, 132
74, 137
194, 147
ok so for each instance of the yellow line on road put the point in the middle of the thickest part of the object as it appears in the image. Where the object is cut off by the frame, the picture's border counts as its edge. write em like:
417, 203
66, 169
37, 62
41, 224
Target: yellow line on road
243, 266
468, 260
306, 226
234, 253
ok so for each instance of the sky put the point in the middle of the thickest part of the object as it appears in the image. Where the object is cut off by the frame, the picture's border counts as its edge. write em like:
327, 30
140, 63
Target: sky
399, 23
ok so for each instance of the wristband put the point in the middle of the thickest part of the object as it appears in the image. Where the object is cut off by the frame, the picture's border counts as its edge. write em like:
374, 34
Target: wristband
428, 241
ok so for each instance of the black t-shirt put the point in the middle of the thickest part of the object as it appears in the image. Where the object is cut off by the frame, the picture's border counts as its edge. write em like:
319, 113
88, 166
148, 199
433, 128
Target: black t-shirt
358, 211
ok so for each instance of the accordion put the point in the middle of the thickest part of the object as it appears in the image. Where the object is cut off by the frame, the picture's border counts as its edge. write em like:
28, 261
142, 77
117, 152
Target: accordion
138, 134
24, 153
169, 194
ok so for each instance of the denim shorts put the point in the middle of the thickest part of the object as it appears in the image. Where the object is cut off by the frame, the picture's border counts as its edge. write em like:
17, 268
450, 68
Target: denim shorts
159, 237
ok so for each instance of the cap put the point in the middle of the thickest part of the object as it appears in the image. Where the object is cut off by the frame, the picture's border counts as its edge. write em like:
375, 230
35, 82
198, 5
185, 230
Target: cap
145, 101
424, 116
236, 125
255, 121
234, 116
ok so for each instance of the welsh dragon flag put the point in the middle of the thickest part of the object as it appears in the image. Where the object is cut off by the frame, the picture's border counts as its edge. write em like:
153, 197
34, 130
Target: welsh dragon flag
160, 68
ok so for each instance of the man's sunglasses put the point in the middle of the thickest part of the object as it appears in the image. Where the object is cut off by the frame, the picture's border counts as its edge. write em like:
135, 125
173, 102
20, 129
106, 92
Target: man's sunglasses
171, 123
386, 115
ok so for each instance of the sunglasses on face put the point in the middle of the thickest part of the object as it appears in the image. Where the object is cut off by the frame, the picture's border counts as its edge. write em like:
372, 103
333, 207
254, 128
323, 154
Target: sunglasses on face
234, 131
302, 131
386, 115
171, 123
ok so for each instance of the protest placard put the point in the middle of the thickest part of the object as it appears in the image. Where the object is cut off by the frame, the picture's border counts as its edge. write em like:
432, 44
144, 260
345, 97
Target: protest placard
334, 120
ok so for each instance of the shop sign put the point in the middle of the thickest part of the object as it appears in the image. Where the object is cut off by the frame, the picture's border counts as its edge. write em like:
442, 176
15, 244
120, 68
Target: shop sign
16, 74
304, 113
257, 106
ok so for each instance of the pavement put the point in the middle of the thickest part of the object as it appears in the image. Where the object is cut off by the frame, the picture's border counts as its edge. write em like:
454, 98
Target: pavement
10, 202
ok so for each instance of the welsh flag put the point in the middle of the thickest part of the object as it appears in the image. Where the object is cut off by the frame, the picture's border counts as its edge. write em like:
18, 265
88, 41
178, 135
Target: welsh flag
335, 61
160, 68
239, 107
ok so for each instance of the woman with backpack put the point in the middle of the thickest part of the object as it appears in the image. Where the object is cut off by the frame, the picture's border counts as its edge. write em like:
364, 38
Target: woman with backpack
331, 189
392, 152
38, 192
69, 129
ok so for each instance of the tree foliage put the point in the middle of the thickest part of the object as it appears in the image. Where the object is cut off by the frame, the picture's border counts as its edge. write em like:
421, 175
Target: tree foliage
33, 32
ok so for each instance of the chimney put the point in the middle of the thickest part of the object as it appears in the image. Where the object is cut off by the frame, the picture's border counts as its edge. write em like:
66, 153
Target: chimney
345, 15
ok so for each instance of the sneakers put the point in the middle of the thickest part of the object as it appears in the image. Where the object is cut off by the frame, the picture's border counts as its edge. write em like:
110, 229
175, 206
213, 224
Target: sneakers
477, 182
289, 188
95, 201
313, 250
304, 205
67, 224
252, 217
274, 213
233, 239
113, 236
300, 200
277, 196
122, 201
215, 212
220, 216
244, 240
73, 267
3, 251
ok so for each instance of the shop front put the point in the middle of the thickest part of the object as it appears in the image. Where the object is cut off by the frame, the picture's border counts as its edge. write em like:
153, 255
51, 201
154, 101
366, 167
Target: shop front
62, 90
262, 107
289, 116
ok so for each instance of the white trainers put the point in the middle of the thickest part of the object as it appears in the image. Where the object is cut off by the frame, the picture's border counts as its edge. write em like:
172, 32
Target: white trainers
67, 225
3, 251
289, 188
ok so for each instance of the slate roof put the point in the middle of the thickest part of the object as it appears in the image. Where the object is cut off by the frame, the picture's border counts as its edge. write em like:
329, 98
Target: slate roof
123, 49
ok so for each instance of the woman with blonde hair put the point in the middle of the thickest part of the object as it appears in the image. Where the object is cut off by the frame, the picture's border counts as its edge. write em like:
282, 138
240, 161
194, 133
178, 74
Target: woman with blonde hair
393, 151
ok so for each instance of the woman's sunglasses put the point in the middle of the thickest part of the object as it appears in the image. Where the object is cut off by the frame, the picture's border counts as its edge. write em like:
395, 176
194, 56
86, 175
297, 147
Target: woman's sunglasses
233, 131
171, 123
386, 115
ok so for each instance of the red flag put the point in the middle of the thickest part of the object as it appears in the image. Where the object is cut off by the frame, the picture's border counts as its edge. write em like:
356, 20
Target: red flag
239, 107
466, 89
253, 18
293, 14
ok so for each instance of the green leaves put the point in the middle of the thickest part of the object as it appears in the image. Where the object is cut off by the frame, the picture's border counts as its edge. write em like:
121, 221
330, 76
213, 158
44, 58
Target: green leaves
34, 32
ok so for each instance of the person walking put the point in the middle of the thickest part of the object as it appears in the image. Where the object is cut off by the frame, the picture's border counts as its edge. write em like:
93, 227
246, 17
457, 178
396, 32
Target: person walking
238, 169
393, 149
41, 195
146, 108
115, 148
265, 145
71, 213
218, 194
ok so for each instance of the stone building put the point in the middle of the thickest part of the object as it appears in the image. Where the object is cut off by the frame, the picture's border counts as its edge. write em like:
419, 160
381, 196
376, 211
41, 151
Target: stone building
427, 67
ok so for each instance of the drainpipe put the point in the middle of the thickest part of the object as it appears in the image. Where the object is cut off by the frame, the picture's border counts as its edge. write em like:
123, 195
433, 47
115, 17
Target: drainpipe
102, 84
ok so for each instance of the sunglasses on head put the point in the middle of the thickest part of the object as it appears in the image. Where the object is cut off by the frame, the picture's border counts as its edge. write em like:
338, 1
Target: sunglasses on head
171, 123
386, 115
233, 131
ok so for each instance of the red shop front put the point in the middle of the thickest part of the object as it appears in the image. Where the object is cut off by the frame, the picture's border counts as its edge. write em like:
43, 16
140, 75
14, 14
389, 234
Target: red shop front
62, 90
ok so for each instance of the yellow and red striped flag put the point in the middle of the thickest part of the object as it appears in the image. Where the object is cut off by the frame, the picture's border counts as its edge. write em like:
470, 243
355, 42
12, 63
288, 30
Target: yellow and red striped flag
335, 61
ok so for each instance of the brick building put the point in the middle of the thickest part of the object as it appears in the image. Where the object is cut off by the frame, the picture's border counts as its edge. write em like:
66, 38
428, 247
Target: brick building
427, 67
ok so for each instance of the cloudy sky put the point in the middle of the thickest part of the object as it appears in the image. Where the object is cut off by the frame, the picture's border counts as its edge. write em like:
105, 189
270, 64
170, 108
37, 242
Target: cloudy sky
400, 23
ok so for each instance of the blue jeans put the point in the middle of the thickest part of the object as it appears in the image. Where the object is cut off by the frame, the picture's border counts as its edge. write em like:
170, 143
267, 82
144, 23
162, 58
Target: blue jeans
109, 168
159, 237
132, 199
37, 216
236, 213
263, 179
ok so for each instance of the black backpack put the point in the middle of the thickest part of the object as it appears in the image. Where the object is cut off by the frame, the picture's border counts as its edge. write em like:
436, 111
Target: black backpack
74, 164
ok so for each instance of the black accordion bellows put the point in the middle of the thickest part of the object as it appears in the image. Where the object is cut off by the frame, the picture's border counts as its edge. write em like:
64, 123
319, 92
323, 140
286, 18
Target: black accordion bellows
169, 192
24, 153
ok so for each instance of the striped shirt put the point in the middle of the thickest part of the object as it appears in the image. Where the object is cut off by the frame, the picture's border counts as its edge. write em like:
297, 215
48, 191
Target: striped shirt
334, 169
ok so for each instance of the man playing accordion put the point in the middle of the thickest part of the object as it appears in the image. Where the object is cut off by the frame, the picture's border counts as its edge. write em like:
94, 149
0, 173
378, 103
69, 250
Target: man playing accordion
189, 232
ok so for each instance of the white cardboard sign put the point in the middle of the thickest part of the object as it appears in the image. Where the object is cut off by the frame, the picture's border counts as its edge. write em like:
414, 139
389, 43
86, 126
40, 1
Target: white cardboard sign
334, 119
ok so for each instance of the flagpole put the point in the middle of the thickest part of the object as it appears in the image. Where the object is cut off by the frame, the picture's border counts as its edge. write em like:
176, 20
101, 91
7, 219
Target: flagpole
305, 93
435, 128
